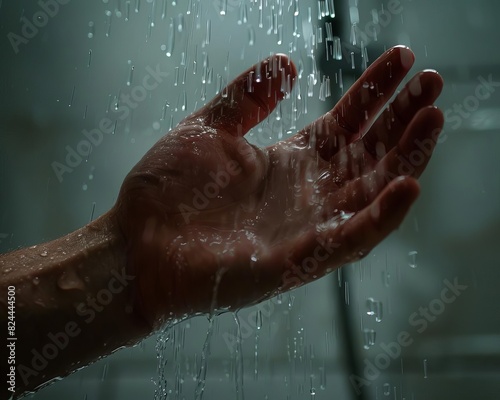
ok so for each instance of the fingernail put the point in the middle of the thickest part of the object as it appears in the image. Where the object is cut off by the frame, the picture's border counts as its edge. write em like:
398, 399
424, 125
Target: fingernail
407, 57
415, 86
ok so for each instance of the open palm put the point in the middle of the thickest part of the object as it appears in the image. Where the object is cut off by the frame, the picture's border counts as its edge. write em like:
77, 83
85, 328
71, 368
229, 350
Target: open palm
212, 222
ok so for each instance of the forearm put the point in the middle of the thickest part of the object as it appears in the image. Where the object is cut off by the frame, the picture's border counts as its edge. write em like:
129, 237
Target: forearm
74, 302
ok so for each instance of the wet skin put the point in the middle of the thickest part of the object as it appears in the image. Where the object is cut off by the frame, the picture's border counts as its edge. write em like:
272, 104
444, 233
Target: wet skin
206, 221
212, 221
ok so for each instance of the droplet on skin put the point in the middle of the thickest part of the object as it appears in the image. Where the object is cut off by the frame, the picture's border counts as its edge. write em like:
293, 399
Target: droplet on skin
70, 280
44, 253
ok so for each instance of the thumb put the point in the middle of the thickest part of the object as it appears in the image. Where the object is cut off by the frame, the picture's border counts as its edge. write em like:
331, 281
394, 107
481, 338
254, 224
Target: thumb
249, 98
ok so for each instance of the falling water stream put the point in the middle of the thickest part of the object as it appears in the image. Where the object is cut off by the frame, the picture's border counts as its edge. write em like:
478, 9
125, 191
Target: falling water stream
201, 59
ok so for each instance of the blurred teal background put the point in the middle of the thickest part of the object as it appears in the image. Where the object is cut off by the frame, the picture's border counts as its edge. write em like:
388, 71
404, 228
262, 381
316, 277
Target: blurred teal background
72, 73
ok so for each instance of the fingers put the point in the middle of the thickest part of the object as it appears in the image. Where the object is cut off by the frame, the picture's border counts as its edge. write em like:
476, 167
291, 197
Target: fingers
361, 155
414, 149
421, 91
249, 98
370, 226
348, 120
408, 158
336, 243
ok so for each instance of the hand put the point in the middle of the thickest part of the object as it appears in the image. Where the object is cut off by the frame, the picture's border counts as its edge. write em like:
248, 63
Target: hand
212, 222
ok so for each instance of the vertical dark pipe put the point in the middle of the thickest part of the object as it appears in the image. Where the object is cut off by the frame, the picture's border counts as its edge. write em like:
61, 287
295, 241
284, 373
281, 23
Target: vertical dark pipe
340, 26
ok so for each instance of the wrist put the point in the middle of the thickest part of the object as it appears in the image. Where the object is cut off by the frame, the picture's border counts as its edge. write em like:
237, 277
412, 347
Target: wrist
116, 280
150, 242
74, 301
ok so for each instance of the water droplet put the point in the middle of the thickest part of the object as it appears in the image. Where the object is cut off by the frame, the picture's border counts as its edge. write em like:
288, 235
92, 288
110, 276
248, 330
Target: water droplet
369, 336
412, 259
425, 368
337, 45
374, 308
130, 73
44, 253
258, 320
69, 279
180, 22
36, 281
386, 278
104, 372
202, 372
170, 38
208, 34
223, 10
322, 377
243, 18
90, 34
251, 36
156, 125
386, 389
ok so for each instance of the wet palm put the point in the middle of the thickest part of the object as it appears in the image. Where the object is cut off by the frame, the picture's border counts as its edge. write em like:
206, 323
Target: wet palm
214, 222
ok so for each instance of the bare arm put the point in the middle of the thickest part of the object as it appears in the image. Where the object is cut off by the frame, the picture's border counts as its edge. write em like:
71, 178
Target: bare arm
73, 304
206, 221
